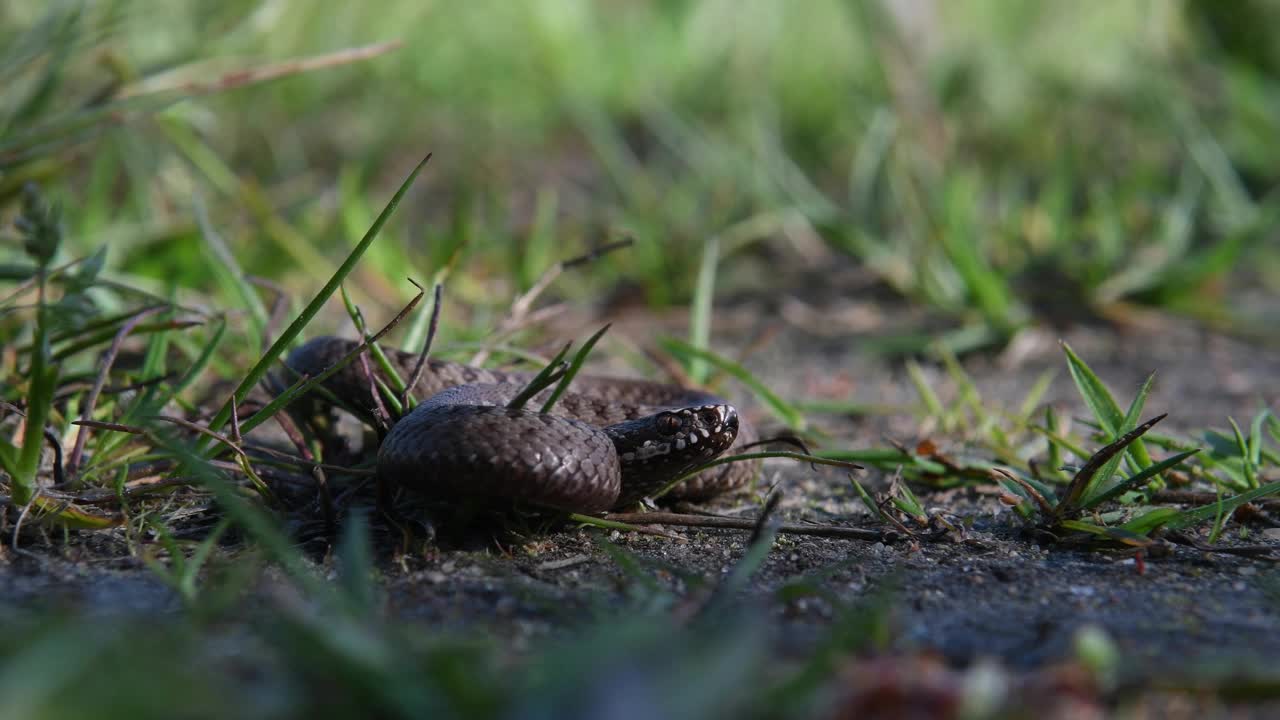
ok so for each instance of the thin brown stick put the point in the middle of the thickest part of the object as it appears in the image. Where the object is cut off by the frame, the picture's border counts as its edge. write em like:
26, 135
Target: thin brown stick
235, 421
379, 408
598, 252
110, 497
26, 285
117, 427
161, 466
716, 521
239, 78
70, 349
82, 437
323, 494
1257, 552
1200, 497
380, 412
1045, 506
421, 364
22, 515
202, 430
71, 388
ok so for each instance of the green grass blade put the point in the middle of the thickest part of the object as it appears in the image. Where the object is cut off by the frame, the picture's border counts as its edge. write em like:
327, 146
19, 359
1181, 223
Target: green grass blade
885, 459
783, 410
932, 403
1135, 482
356, 565
1036, 394
747, 566
1255, 437
1246, 455
1103, 460
388, 389
43, 383
988, 289
1138, 450
1104, 408
1052, 434
909, 503
700, 313
1148, 522
227, 269
574, 366
1208, 512
1095, 393
259, 370
550, 373
866, 499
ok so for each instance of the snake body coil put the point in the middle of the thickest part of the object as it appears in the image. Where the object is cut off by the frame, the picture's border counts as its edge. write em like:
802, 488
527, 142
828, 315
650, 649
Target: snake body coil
607, 443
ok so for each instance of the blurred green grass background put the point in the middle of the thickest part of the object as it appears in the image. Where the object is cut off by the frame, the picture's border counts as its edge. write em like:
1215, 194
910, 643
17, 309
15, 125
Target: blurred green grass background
995, 160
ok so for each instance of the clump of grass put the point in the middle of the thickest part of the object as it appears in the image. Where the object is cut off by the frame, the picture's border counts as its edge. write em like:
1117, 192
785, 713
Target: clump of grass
1097, 483
1119, 492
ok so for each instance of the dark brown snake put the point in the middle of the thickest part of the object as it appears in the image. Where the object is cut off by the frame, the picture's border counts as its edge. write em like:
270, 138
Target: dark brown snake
606, 443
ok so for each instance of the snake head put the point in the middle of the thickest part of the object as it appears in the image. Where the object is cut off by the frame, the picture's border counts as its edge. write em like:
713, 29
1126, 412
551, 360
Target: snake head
657, 448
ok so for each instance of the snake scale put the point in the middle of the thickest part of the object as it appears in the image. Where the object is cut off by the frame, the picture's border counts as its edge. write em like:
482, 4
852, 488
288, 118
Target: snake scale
605, 444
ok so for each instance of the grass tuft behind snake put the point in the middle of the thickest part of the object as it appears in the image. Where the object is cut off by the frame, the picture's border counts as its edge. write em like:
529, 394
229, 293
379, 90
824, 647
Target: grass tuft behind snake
607, 443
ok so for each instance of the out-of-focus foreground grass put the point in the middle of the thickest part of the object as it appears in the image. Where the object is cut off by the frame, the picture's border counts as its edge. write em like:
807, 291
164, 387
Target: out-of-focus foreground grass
994, 160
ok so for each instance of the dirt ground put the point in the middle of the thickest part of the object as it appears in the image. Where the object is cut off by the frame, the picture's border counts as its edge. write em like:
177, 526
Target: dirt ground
995, 593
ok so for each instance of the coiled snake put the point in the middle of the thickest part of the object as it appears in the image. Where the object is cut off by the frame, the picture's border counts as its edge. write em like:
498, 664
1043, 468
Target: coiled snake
605, 444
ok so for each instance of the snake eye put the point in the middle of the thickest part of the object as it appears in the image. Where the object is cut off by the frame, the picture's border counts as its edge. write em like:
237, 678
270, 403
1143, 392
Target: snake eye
669, 424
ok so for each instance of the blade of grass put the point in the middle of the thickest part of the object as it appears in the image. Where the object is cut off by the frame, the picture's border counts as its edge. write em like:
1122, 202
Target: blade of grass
1135, 450
574, 366
1135, 482
866, 498
932, 403
1207, 512
700, 312
389, 386
308, 384
1036, 394
783, 410
1100, 460
1121, 535
150, 404
226, 267
1095, 393
1149, 522
960, 242
1246, 455
43, 383
259, 370
908, 502
1104, 408
552, 372
1255, 437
